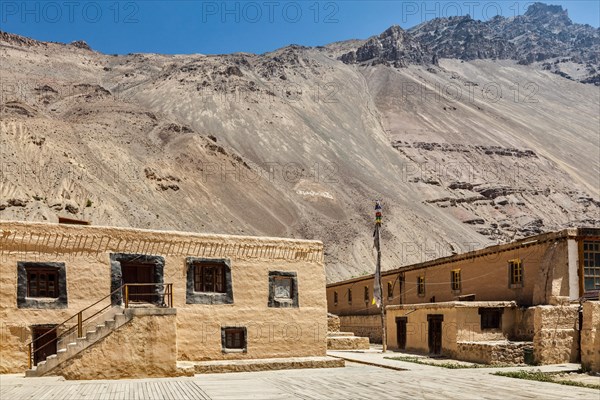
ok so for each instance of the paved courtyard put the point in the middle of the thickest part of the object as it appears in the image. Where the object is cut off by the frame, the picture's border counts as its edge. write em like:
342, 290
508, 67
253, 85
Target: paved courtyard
356, 381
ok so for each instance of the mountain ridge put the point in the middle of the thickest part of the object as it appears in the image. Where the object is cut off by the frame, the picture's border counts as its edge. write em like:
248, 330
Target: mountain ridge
297, 143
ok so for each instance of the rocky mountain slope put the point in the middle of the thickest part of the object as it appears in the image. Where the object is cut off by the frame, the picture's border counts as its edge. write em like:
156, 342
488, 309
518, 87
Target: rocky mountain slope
463, 152
544, 34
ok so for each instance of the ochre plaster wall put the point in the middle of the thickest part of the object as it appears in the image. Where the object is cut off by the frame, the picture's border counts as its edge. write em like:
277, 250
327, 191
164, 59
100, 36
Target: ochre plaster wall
462, 323
145, 347
485, 275
272, 332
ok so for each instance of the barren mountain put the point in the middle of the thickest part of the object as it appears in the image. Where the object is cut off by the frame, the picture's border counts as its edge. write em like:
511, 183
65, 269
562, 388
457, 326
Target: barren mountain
545, 33
463, 151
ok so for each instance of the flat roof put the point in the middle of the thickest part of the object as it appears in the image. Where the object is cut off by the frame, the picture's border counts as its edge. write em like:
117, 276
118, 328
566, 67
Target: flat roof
6, 224
454, 304
525, 242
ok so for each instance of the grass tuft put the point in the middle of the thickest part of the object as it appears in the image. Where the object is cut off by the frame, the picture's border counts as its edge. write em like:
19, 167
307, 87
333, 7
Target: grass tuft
544, 377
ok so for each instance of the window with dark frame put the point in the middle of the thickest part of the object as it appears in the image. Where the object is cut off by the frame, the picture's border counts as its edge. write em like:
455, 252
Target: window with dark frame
208, 281
515, 268
234, 339
421, 286
335, 298
390, 291
455, 280
349, 296
591, 265
283, 289
41, 285
209, 277
491, 318
366, 294
42, 282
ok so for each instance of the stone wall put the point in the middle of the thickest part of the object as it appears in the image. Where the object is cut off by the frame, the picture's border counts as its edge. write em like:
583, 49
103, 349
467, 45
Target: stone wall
145, 347
362, 325
590, 336
86, 253
333, 323
556, 338
501, 352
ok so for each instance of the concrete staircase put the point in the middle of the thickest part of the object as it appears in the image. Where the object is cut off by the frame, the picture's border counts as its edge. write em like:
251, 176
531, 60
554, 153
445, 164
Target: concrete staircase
70, 346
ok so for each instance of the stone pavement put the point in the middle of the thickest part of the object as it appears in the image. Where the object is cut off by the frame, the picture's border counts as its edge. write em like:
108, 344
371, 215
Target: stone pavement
356, 381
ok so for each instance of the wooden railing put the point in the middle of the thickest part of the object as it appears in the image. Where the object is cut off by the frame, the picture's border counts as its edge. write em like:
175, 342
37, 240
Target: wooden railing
163, 298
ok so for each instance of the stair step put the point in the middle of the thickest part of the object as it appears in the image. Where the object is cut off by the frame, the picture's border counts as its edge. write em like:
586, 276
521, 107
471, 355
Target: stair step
67, 350
120, 319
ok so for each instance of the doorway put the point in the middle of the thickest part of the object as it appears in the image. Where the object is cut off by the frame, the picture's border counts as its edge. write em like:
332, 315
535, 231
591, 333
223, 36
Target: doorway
435, 333
401, 332
137, 268
140, 273
44, 342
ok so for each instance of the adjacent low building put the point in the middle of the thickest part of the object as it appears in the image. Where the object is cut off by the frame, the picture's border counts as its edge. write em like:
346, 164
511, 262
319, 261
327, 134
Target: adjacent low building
522, 294
228, 297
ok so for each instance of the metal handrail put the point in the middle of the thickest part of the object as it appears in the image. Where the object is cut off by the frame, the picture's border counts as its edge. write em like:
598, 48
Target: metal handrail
167, 293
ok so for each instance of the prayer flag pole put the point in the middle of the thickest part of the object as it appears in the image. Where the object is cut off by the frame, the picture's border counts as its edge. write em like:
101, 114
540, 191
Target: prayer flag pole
377, 292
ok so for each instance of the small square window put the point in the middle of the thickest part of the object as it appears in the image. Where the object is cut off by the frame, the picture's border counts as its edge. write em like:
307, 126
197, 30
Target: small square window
491, 318
283, 289
233, 339
41, 285
209, 281
209, 277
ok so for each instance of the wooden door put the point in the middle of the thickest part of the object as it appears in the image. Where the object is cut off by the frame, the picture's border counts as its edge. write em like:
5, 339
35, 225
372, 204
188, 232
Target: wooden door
139, 273
44, 342
435, 333
401, 332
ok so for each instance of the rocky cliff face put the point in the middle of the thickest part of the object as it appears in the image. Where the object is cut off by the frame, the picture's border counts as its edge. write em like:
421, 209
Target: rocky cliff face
394, 47
545, 33
297, 143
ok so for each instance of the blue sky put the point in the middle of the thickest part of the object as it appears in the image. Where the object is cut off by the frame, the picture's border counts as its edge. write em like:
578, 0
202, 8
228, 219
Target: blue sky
213, 27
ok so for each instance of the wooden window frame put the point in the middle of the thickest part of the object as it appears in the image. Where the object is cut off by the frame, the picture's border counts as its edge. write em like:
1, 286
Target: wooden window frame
489, 317
366, 296
515, 273
27, 297
195, 266
335, 298
210, 277
390, 291
35, 293
589, 268
349, 296
226, 339
455, 280
421, 286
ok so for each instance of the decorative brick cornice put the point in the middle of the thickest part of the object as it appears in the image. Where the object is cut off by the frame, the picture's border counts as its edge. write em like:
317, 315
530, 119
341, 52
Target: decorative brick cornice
71, 241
